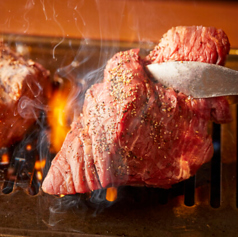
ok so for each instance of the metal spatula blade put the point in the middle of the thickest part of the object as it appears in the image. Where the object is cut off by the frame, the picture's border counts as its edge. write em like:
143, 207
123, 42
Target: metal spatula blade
199, 80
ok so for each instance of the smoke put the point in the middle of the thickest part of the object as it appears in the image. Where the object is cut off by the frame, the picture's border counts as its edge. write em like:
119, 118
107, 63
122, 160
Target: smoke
28, 6
60, 206
61, 29
79, 62
29, 108
80, 205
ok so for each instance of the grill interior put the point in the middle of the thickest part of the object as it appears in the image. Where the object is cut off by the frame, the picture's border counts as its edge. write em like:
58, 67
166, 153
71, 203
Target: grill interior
204, 205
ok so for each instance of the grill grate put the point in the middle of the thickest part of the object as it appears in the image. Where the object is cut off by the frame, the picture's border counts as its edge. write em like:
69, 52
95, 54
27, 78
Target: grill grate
203, 205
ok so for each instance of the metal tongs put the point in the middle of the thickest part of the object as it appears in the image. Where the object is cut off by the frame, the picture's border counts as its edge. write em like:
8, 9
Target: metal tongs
196, 79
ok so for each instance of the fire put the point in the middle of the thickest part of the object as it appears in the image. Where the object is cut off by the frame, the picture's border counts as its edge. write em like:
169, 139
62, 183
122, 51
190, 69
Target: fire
28, 147
39, 175
5, 159
111, 194
57, 118
40, 164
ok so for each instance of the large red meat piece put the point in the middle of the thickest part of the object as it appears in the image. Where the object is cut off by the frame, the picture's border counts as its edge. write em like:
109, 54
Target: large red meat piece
134, 132
24, 91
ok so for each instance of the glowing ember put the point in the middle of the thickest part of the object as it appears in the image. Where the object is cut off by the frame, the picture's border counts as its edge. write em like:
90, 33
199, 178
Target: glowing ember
28, 147
111, 194
40, 164
5, 159
57, 118
39, 175
61, 195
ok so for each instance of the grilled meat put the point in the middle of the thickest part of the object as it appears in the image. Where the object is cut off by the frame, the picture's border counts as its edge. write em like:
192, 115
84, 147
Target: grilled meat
136, 132
191, 43
24, 87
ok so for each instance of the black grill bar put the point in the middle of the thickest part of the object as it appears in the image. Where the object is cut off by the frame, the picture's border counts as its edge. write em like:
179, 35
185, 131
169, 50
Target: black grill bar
189, 191
228, 162
163, 197
236, 157
215, 197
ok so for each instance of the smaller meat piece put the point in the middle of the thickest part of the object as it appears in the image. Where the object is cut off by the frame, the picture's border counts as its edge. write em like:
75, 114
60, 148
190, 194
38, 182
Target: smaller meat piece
24, 88
191, 43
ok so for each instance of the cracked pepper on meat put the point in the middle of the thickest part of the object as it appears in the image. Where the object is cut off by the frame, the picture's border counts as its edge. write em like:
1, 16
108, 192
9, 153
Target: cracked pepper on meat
133, 131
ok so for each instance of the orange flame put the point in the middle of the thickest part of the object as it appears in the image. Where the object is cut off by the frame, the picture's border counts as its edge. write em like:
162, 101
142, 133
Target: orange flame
111, 194
40, 164
57, 118
39, 175
5, 159
28, 147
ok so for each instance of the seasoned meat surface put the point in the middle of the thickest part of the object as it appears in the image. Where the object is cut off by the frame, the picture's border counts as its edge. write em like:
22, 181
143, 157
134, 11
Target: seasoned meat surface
191, 43
24, 87
73, 170
136, 132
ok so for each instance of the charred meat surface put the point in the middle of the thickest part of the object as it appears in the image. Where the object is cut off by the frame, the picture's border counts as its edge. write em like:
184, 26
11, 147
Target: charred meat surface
24, 87
136, 132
